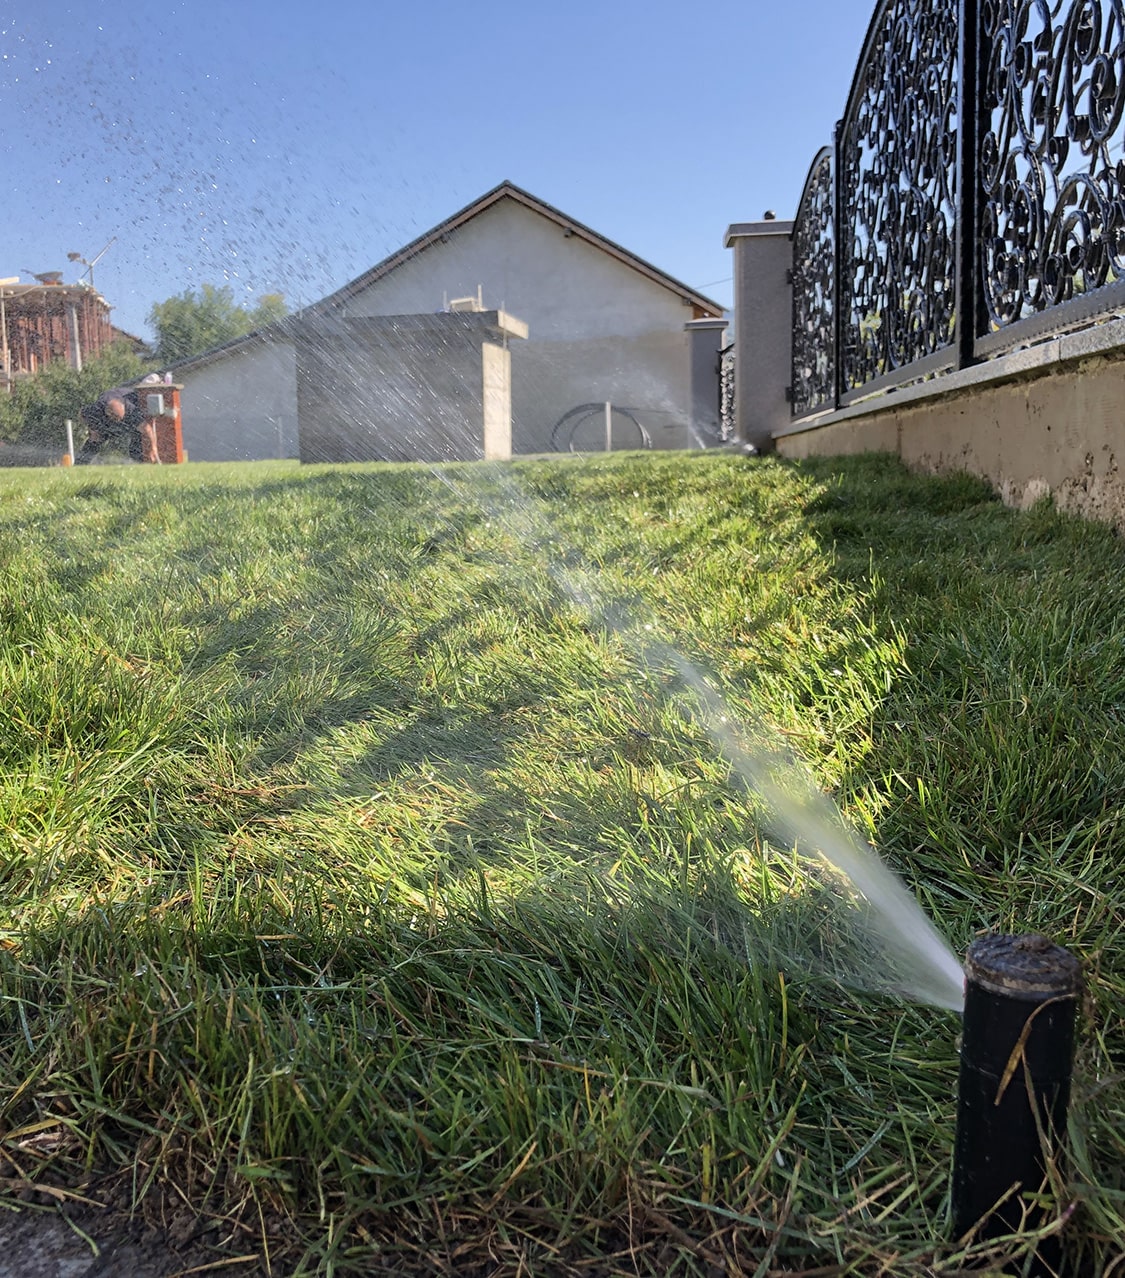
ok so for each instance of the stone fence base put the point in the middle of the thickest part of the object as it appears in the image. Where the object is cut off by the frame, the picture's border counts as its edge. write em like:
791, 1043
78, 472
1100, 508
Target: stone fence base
1047, 420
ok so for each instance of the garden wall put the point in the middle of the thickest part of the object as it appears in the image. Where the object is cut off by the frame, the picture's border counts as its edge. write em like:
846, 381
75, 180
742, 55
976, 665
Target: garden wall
1049, 419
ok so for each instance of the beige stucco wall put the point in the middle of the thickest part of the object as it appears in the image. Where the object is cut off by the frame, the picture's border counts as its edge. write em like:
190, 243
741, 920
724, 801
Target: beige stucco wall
638, 373
875, 434
496, 408
597, 328
402, 388
1059, 432
242, 406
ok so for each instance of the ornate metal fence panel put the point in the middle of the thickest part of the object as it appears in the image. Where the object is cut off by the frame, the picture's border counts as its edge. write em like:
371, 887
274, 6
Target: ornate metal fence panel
1051, 170
813, 378
897, 152
978, 199
728, 426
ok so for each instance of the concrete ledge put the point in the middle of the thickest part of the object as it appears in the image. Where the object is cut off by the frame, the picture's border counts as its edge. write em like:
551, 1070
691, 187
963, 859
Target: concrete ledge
495, 323
1042, 358
509, 326
742, 230
1046, 420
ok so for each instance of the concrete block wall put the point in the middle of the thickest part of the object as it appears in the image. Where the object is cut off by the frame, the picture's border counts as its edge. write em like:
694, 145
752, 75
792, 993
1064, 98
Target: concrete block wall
1046, 421
406, 387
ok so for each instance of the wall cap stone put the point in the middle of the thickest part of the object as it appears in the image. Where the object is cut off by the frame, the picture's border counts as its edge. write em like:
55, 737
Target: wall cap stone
1106, 339
744, 230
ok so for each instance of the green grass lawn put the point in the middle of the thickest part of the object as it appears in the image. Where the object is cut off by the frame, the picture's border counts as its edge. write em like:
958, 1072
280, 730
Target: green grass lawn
373, 891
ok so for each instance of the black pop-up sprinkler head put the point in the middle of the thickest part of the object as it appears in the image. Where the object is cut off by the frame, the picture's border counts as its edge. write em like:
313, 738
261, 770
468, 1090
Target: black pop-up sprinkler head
1017, 1051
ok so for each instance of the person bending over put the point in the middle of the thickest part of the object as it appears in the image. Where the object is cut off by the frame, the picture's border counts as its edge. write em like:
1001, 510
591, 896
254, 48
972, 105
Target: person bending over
116, 413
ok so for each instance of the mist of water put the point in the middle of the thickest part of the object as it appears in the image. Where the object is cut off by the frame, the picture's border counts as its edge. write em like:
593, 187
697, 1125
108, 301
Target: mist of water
874, 935
911, 958
882, 939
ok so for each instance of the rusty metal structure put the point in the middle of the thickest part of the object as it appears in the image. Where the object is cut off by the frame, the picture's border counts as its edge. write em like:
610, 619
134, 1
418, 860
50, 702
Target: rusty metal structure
48, 321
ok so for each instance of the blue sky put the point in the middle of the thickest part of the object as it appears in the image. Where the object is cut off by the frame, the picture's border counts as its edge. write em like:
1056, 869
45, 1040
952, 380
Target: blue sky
288, 147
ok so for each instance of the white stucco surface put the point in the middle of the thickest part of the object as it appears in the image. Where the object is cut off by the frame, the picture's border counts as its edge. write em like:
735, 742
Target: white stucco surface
598, 329
243, 406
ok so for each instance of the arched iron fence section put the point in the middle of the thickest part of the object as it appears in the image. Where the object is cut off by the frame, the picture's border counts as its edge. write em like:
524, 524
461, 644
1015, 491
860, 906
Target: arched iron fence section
896, 155
978, 198
813, 383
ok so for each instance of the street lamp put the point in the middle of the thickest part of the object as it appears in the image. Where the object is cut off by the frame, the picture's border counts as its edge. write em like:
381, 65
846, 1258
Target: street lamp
77, 257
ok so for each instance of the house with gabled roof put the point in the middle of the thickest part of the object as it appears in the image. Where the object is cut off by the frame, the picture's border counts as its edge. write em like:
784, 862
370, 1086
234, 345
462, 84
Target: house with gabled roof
602, 325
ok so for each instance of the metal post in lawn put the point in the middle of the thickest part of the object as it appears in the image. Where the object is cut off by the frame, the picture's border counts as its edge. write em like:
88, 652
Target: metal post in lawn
68, 460
1017, 1051
608, 427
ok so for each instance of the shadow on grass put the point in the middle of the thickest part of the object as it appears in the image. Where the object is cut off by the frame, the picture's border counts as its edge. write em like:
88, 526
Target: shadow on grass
587, 1051
1004, 730
996, 781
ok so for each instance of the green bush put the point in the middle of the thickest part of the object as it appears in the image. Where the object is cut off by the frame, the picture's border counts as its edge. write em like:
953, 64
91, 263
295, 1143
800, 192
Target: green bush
36, 411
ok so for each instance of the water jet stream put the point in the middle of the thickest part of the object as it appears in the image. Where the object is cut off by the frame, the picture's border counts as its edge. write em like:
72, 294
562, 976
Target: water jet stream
909, 957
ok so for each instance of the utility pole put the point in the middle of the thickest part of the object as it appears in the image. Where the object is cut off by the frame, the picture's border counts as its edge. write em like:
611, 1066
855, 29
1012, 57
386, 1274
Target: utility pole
77, 257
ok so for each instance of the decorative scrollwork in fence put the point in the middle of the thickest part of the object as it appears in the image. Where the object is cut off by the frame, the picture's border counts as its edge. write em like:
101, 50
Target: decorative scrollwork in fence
727, 423
898, 152
1052, 90
813, 378
1036, 222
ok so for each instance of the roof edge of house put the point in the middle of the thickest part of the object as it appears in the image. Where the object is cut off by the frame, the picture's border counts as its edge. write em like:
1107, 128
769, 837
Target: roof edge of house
268, 332
505, 190
509, 190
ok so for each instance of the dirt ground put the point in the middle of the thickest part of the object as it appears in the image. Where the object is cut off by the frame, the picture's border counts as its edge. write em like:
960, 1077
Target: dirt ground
37, 1243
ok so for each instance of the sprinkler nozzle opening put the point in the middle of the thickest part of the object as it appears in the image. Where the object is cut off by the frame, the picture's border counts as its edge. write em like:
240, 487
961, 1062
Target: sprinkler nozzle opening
1023, 967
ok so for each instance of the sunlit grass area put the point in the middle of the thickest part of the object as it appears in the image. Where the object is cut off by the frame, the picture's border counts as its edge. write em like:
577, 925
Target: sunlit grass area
373, 895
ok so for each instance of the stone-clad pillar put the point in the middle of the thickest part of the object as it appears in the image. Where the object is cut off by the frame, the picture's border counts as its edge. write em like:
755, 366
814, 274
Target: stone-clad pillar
763, 323
706, 344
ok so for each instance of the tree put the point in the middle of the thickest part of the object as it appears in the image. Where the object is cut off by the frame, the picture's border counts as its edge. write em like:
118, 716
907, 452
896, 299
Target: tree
189, 324
36, 411
271, 308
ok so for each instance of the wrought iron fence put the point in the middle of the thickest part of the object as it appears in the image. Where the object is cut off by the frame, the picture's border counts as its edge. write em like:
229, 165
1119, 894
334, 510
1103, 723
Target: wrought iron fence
974, 197
727, 425
814, 272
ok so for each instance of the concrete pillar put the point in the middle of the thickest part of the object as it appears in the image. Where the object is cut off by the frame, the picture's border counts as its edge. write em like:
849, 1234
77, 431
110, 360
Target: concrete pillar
706, 336
496, 401
763, 324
